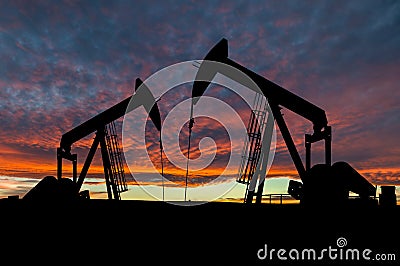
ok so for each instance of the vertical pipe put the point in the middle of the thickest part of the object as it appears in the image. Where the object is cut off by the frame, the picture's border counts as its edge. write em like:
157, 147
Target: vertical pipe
259, 192
74, 167
308, 155
250, 195
59, 163
328, 147
162, 167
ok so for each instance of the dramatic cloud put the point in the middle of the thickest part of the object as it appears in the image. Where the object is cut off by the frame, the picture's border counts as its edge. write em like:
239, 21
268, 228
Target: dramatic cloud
62, 63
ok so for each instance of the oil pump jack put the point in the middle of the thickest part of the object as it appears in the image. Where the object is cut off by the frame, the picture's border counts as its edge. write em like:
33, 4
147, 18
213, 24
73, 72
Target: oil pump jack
105, 135
330, 182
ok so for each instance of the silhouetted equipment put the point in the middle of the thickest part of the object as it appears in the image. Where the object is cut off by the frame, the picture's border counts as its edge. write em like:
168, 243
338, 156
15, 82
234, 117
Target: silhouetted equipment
333, 183
116, 169
105, 135
190, 126
325, 183
51, 188
253, 145
387, 197
295, 189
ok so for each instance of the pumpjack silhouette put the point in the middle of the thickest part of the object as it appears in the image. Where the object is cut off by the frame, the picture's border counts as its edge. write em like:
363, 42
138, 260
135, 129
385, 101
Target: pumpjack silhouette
325, 183
102, 125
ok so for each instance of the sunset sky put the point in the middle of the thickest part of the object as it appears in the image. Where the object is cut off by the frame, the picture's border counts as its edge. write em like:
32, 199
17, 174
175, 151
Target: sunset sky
62, 62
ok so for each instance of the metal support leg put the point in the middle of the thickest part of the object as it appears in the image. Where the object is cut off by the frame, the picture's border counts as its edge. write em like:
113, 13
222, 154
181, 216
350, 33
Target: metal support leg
328, 147
249, 198
59, 163
259, 192
308, 155
288, 140
88, 161
74, 167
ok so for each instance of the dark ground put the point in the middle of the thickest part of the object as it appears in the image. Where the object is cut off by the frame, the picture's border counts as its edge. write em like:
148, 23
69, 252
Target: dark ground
158, 233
